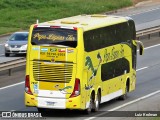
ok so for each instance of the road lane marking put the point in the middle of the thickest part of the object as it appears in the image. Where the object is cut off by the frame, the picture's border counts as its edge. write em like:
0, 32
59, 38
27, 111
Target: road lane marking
144, 12
141, 69
11, 85
12, 110
151, 46
2, 55
124, 105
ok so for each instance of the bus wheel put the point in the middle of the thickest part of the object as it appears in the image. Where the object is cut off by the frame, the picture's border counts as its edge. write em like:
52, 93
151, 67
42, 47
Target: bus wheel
96, 103
7, 54
123, 97
41, 110
89, 109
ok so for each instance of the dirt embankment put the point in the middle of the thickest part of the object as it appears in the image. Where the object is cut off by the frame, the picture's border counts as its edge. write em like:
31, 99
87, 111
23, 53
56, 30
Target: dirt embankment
137, 1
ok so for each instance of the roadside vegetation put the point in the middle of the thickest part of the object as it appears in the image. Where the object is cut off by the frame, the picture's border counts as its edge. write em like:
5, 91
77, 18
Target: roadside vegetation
20, 14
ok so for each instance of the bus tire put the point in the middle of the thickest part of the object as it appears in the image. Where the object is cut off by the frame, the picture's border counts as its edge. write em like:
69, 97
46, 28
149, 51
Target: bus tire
96, 103
7, 54
41, 110
89, 109
124, 97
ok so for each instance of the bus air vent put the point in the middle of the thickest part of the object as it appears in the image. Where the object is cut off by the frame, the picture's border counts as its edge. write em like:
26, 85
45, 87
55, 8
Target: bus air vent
69, 22
98, 15
52, 73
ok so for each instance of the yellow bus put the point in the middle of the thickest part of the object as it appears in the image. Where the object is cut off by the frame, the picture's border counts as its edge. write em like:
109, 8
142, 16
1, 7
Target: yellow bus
81, 61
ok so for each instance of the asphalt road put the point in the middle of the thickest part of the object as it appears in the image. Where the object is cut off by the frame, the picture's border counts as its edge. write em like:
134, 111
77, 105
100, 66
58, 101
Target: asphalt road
147, 19
144, 15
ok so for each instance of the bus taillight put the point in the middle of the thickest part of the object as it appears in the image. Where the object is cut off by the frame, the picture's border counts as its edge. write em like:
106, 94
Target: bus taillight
76, 90
27, 85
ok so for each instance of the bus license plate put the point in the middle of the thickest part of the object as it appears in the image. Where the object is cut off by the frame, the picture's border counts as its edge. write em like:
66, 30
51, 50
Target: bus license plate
50, 103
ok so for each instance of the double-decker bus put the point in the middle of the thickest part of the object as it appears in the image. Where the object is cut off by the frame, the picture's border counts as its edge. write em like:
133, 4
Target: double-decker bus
80, 62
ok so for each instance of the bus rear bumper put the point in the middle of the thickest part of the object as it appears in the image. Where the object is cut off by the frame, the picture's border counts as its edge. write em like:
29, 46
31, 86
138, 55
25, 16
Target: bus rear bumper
52, 103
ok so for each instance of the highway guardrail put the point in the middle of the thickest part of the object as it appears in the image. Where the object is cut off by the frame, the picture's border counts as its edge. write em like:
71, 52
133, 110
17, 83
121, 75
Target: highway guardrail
9, 65
148, 32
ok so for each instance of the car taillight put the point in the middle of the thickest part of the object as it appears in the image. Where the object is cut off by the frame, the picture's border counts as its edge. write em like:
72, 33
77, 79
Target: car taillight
76, 90
27, 85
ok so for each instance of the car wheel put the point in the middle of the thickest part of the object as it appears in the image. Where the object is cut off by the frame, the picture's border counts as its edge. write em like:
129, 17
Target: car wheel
7, 54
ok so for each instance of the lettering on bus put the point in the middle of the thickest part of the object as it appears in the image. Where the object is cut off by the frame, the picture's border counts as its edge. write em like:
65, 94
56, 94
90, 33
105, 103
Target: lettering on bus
114, 54
53, 37
55, 54
70, 38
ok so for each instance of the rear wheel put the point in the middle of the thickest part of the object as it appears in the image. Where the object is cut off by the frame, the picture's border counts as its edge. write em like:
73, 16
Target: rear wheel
7, 54
90, 107
41, 110
123, 97
96, 103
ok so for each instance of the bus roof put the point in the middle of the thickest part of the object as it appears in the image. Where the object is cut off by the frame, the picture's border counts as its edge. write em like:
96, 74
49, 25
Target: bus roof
87, 22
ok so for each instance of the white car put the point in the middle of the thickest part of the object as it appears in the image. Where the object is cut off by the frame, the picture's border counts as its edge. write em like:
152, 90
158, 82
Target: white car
17, 43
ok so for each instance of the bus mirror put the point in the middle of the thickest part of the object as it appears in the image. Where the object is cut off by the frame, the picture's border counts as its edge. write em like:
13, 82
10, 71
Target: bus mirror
141, 47
141, 50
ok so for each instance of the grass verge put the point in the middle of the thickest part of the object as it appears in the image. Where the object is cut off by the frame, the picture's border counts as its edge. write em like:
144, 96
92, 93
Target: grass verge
19, 15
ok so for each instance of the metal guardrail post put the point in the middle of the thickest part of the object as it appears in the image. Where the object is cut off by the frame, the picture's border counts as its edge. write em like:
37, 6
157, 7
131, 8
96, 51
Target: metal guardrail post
149, 36
148, 31
12, 64
10, 72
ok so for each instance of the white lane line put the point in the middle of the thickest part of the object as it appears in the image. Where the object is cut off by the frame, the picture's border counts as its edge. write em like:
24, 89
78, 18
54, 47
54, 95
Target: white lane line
141, 69
11, 85
2, 55
144, 11
151, 46
124, 105
12, 110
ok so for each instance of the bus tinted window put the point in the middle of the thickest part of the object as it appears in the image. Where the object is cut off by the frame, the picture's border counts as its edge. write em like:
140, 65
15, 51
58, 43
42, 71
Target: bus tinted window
114, 69
108, 36
54, 36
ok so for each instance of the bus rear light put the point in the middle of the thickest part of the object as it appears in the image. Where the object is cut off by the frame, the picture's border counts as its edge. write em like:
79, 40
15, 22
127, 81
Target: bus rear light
27, 85
76, 90
35, 26
74, 28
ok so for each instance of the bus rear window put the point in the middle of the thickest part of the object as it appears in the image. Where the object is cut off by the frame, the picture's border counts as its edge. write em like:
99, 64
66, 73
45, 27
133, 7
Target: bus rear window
54, 36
